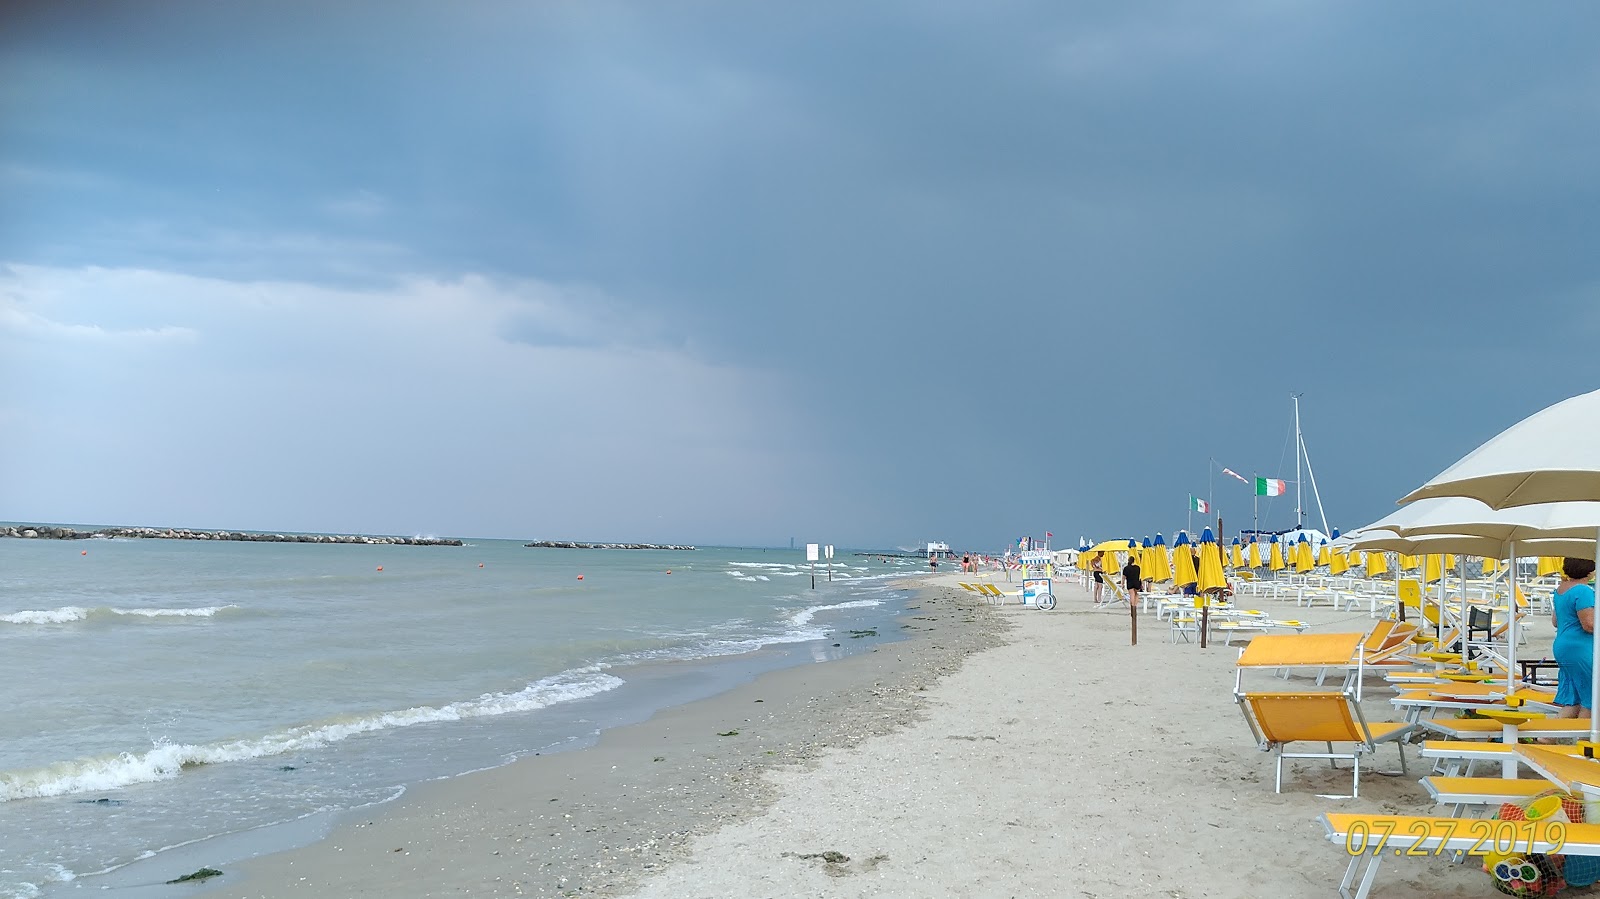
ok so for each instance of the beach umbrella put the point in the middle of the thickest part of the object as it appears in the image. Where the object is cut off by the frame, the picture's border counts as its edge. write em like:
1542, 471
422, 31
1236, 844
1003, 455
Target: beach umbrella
1304, 561
1548, 457
1324, 555
1182, 562
1163, 565
1147, 558
1236, 554
1431, 570
1253, 554
1490, 566
1377, 563
1549, 565
1210, 576
1338, 563
1275, 559
1464, 515
1407, 562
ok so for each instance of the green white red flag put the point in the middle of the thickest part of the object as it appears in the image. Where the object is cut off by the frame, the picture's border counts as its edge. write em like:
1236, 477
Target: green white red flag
1270, 486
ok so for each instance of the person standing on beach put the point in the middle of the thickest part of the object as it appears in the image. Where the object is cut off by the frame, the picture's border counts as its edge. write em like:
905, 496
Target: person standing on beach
1133, 579
1097, 570
1572, 612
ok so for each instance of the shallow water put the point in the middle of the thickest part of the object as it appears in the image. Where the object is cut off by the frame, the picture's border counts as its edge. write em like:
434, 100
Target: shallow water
168, 691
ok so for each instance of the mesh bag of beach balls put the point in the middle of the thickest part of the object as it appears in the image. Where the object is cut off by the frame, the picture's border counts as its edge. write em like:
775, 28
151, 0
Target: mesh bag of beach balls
1533, 874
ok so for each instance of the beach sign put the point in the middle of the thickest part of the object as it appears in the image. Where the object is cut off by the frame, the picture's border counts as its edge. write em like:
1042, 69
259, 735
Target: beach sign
811, 552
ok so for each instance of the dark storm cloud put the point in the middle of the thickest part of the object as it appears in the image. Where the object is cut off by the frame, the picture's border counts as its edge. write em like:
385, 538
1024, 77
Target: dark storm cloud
1058, 254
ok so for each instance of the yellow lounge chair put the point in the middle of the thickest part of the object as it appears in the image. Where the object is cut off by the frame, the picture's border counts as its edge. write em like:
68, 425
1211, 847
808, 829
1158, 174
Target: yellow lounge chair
1279, 718
1368, 837
1482, 792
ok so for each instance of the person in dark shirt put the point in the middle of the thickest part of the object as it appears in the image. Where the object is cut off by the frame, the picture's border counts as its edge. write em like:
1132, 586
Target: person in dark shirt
1133, 579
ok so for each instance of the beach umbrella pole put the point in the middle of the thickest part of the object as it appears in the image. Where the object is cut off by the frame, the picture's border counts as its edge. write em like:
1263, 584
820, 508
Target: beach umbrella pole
1511, 648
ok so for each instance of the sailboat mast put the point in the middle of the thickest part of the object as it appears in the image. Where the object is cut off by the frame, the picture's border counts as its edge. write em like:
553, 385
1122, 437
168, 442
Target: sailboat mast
1300, 453
1299, 505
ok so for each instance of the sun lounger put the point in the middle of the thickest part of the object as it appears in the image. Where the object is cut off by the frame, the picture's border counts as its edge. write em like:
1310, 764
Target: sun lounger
1455, 758
1488, 729
1482, 792
1280, 718
1368, 837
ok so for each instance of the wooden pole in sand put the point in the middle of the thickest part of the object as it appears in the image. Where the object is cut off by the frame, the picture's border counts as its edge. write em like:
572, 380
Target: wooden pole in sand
1133, 620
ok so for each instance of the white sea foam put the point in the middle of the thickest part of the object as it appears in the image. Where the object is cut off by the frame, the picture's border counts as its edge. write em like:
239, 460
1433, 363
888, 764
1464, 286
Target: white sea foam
167, 760
67, 614
804, 616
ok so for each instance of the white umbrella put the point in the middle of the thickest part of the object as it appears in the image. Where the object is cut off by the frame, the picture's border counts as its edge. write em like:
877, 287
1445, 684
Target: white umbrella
1548, 457
1464, 515
1521, 524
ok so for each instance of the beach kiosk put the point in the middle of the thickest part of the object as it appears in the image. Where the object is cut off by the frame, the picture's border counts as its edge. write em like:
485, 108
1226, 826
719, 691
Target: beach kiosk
1037, 589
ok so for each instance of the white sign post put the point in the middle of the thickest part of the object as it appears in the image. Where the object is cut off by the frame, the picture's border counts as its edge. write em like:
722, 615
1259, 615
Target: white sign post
829, 552
811, 556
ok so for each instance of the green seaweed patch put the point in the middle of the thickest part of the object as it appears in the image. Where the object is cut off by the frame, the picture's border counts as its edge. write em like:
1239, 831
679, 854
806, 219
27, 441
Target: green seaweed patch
202, 874
870, 632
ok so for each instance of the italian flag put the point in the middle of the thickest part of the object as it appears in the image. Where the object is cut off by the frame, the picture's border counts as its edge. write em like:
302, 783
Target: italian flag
1269, 487
1198, 504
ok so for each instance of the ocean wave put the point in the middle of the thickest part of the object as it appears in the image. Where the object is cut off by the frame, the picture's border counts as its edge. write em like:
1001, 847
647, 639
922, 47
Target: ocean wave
167, 760
804, 616
67, 614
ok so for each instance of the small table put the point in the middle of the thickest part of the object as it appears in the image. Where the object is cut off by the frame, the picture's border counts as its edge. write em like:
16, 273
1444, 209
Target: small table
1510, 720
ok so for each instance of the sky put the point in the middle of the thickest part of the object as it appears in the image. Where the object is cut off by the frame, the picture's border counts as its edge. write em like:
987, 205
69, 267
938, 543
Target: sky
869, 274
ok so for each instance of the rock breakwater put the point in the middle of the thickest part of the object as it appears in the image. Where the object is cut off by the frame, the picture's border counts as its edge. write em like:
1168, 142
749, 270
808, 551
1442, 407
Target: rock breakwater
566, 544
47, 532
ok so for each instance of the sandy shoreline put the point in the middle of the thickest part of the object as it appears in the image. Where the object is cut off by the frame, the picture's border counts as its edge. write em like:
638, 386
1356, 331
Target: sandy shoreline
1002, 752
593, 821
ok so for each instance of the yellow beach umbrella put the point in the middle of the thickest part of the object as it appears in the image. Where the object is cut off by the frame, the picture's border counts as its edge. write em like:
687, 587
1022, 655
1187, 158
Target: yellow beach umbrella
1338, 563
1407, 563
1236, 554
1147, 559
1110, 546
1490, 566
1275, 562
1253, 554
1182, 562
1432, 571
1210, 576
1377, 563
1162, 562
1324, 555
1549, 565
1304, 561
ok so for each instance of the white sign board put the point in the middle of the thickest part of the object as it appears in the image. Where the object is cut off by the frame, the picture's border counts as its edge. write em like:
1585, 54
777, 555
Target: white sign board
811, 552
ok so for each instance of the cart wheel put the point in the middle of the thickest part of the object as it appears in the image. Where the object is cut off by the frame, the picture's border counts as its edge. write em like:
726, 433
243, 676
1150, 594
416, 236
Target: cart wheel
1046, 601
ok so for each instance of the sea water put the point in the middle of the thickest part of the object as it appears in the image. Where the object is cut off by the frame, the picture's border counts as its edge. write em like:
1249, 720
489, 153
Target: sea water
162, 692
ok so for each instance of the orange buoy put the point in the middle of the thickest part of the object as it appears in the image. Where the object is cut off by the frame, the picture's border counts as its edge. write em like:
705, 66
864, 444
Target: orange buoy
580, 577
380, 567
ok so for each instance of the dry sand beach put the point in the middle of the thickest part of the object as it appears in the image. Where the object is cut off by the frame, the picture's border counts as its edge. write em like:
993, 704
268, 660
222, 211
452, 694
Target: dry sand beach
999, 752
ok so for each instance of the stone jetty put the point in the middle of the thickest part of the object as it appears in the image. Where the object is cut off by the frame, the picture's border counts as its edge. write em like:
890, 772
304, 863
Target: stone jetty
566, 544
46, 532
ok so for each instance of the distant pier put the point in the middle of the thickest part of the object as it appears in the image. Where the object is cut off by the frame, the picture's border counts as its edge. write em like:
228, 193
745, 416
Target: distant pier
46, 532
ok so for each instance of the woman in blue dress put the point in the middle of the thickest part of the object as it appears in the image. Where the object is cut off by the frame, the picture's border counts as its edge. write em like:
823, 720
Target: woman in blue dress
1573, 615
